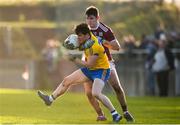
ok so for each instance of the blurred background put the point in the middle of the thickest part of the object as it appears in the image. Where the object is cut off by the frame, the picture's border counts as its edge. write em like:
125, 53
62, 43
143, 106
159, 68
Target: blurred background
32, 32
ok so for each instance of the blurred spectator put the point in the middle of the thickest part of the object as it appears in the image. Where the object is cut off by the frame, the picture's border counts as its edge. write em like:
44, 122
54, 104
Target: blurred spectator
160, 33
151, 49
144, 42
176, 38
173, 38
50, 54
129, 42
163, 63
177, 84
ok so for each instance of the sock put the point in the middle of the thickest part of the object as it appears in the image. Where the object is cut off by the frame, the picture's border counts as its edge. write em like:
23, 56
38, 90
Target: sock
124, 108
125, 112
114, 112
51, 98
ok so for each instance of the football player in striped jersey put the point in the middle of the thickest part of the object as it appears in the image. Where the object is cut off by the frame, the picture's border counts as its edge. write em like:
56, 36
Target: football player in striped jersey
109, 42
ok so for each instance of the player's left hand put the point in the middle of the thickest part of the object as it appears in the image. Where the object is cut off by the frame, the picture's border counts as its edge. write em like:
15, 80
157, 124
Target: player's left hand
68, 46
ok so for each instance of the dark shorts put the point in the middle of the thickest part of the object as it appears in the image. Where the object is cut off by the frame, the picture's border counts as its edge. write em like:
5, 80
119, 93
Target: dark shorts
99, 73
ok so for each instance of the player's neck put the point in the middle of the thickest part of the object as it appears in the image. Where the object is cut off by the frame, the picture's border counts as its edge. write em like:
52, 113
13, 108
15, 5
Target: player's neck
96, 26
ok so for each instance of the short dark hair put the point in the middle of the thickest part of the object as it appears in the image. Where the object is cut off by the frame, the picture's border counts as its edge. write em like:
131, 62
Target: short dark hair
82, 28
92, 10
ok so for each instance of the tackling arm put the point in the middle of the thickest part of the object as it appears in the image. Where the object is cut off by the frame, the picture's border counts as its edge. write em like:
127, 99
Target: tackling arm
114, 45
90, 63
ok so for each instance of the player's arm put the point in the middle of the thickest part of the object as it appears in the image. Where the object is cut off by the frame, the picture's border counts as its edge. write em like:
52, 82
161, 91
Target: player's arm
90, 63
110, 40
86, 45
114, 45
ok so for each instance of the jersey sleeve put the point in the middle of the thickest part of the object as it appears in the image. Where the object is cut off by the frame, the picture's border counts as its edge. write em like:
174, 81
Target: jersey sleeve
109, 35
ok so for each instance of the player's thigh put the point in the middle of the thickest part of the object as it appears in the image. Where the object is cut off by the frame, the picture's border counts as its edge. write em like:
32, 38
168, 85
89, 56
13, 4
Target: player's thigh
88, 88
76, 77
114, 79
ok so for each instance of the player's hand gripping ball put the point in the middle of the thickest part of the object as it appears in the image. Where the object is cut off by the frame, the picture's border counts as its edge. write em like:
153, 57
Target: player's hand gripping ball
71, 42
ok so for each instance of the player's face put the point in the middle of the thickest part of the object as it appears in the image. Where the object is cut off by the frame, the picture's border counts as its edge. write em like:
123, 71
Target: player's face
91, 21
82, 38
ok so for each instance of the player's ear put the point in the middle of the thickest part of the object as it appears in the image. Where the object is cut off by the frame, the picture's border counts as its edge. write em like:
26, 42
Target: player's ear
98, 17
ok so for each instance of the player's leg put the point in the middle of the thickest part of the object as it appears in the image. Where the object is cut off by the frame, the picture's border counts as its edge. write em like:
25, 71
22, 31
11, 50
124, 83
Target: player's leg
115, 83
93, 101
74, 78
97, 88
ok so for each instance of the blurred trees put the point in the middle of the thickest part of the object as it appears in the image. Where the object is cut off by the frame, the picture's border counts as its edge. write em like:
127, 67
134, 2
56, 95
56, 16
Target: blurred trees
56, 18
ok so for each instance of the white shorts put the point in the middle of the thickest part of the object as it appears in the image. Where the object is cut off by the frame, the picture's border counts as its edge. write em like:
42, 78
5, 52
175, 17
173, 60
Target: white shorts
112, 65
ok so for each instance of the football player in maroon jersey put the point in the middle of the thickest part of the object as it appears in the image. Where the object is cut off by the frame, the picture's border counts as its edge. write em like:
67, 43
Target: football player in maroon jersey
109, 42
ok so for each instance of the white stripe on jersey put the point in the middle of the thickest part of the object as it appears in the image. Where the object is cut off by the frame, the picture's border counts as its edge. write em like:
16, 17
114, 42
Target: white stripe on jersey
105, 29
113, 40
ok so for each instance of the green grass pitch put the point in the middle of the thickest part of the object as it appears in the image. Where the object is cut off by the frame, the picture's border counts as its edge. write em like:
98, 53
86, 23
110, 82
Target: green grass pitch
24, 106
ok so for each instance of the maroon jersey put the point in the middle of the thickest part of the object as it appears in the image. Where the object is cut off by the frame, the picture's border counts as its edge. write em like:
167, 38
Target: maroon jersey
106, 33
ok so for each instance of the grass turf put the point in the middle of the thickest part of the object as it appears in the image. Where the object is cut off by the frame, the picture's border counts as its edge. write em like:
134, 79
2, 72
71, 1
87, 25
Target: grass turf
24, 106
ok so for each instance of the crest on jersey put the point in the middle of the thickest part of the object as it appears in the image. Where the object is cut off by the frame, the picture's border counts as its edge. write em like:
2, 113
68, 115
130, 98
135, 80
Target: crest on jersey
101, 34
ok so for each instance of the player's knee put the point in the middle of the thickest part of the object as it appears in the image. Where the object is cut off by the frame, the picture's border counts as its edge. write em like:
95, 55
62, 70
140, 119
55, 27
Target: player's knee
67, 81
96, 94
89, 94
